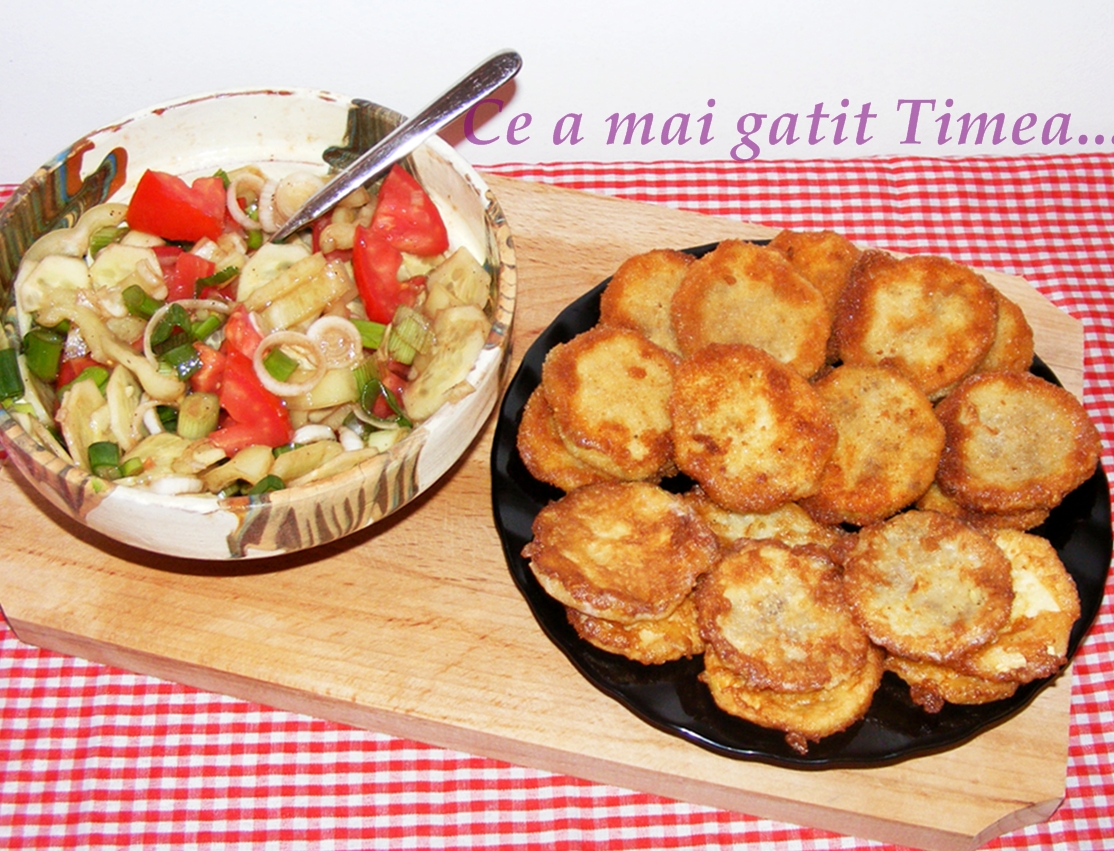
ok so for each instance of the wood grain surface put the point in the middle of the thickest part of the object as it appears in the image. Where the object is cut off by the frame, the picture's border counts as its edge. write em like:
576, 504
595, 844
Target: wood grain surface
414, 627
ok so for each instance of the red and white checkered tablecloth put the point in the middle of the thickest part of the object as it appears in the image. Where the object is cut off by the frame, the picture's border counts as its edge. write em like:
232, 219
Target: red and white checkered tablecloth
94, 757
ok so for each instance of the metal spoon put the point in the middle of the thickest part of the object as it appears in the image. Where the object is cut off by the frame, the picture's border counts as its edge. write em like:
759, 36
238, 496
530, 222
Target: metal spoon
472, 88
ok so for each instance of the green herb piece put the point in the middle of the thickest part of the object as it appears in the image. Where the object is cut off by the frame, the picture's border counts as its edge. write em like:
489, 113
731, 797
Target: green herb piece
139, 302
11, 383
279, 365
104, 459
198, 415
267, 484
183, 358
42, 352
104, 237
217, 278
131, 467
206, 326
371, 333
168, 416
97, 374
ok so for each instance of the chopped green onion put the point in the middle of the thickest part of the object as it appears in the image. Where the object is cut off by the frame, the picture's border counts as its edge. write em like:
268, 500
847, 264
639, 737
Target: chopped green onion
176, 316
223, 175
207, 326
235, 488
217, 278
184, 359
11, 384
279, 364
168, 416
97, 374
198, 415
104, 237
255, 239
42, 352
104, 459
410, 334
282, 450
131, 467
139, 302
268, 483
371, 333
375, 389
175, 340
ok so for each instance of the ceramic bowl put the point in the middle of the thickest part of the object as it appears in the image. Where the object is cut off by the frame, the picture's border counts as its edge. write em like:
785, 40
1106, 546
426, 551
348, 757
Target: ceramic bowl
194, 136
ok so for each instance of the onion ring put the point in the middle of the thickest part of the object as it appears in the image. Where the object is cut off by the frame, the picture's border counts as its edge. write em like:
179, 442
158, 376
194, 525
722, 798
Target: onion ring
215, 305
338, 339
305, 346
266, 206
252, 182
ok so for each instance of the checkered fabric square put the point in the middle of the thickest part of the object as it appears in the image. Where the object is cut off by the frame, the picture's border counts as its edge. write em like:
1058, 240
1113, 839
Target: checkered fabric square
94, 757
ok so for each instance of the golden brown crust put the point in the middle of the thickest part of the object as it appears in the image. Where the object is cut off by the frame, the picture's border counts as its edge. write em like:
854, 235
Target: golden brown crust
824, 259
1015, 442
931, 319
804, 717
1034, 641
935, 499
543, 452
653, 642
608, 389
747, 428
622, 551
746, 293
888, 446
788, 523
1012, 349
641, 291
776, 616
932, 685
926, 586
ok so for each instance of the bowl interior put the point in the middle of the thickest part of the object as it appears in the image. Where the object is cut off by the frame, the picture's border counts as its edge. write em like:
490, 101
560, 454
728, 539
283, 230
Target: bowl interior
281, 130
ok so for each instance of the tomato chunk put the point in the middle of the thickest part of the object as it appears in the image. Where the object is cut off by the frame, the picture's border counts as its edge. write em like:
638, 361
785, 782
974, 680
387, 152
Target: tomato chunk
406, 217
240, 335
257, 415
181, 281
207, 379
375, 266
166, 206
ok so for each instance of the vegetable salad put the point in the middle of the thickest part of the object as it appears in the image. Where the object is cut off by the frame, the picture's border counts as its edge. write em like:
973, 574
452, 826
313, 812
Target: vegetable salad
167, 344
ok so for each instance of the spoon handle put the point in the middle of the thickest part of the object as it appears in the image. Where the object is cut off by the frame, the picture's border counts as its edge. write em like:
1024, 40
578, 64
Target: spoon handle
472, 88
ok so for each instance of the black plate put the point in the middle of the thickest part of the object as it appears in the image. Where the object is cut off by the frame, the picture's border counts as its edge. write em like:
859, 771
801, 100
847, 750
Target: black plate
671, 698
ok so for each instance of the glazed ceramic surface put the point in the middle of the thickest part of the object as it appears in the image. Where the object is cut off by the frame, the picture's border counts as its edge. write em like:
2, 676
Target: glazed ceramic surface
283, 130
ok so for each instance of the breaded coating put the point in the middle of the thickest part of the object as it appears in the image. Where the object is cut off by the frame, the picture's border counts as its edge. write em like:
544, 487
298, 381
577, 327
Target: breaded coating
622, 551
825, 258
748, 429
1012, 349
676, 636
777, 618
935, 499
1015, 442
608, 389
641, 291
926, 586
543, 452
930, 318
1034, 641
804, 717
888, 447
931, 685
746, 293
788, 523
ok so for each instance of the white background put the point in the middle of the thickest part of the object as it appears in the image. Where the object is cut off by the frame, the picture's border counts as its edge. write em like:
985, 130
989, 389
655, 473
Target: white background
71, 66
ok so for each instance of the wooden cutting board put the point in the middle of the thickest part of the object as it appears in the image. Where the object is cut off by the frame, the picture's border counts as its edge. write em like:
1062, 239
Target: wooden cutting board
414, 627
